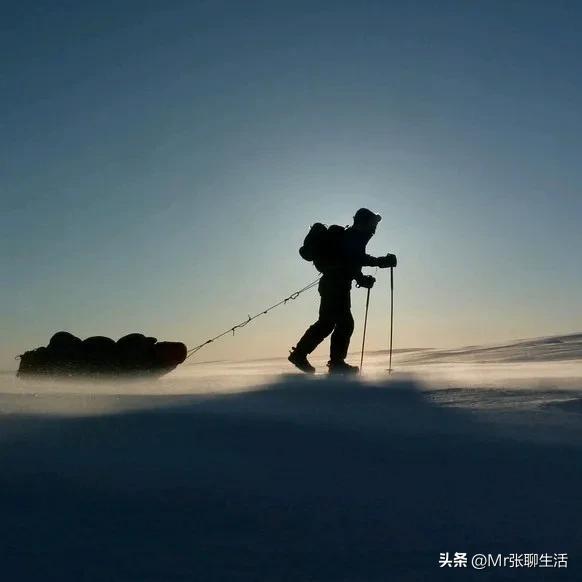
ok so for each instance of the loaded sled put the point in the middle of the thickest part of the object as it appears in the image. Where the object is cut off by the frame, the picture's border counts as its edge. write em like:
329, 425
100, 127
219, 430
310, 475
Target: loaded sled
132, 355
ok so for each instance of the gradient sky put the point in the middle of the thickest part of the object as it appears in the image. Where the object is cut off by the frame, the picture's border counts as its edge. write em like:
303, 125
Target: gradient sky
161, 163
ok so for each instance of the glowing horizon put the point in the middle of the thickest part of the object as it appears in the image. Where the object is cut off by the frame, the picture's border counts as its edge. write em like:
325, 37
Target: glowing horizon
161, 171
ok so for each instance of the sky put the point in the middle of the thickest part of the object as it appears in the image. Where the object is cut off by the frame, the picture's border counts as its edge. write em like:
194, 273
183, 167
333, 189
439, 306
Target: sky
161, 163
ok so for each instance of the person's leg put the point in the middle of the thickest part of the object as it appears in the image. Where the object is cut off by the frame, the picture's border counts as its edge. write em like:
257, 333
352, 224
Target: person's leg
340, 338
342, 333
314, 335
317, 332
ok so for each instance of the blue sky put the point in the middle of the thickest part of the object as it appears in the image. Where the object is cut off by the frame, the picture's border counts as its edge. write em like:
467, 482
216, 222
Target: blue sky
162, 161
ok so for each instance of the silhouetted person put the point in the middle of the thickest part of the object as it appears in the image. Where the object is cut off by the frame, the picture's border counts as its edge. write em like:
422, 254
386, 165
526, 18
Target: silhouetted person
340, 264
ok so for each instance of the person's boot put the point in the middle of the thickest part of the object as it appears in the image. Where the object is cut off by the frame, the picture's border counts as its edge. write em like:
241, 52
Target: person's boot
340, 367
300, 361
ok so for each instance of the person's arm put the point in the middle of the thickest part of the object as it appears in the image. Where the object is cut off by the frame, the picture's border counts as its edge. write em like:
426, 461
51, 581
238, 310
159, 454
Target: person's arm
359, 257
366, 281
383, 262
358, 276
362, 259
370, 261
355, 253
388, 261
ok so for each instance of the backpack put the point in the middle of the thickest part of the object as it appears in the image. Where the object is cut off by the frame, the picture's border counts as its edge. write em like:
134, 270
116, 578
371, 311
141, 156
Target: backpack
322, 245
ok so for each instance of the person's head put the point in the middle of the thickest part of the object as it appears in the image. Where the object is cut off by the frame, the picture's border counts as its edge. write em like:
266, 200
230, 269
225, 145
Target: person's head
366, 221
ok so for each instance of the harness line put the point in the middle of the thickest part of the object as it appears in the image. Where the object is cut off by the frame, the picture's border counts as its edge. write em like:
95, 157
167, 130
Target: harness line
233, 329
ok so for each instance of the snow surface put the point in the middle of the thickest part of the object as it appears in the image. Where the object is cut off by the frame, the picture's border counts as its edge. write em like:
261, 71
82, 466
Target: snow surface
235, 471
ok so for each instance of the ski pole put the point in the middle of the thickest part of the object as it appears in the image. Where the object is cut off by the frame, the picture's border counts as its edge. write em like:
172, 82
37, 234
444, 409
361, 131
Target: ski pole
391, 317
364, 335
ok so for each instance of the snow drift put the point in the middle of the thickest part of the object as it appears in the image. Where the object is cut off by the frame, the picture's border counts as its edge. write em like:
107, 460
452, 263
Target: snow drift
226, 471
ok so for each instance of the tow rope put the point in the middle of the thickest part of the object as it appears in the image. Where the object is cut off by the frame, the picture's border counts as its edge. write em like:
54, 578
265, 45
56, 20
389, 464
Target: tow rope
233, 329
